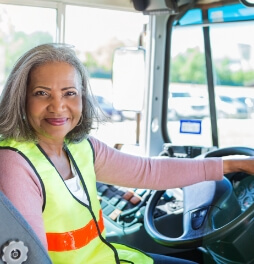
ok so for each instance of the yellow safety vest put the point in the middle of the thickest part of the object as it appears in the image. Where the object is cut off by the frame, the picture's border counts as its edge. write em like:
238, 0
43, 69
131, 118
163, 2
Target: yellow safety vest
75, 231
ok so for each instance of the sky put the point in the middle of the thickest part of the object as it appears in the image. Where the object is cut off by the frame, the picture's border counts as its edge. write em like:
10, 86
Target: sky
28, 19
86, 34
81, 21
86, 27
224, 39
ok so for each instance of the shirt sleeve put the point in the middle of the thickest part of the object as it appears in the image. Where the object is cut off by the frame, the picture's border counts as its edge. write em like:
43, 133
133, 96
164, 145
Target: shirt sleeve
157, 173
22, 187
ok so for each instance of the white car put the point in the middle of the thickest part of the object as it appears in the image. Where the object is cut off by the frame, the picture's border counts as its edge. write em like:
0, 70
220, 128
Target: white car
229, 107
185, 105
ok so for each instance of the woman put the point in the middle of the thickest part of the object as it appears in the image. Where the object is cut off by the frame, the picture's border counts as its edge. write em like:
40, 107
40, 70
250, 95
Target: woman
46, 115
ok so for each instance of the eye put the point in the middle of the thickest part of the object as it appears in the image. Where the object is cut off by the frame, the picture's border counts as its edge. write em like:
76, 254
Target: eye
40, 93
71, 93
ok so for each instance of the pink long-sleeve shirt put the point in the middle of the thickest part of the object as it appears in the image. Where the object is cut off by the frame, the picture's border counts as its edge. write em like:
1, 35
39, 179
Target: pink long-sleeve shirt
20, 184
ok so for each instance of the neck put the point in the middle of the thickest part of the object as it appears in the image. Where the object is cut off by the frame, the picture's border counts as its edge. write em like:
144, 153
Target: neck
55, 148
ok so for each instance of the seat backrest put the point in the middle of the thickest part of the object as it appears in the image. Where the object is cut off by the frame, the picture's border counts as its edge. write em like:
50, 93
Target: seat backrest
18, 242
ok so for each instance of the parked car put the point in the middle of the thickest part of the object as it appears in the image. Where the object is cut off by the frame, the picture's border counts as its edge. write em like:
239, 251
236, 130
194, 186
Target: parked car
185, 105
249, 104
108, 109
230, 107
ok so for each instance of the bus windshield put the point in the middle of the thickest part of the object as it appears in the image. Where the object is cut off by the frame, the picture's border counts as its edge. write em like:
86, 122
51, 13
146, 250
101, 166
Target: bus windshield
225, 78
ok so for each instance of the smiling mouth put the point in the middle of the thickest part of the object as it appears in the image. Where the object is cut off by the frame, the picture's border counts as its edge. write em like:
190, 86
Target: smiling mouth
56, 121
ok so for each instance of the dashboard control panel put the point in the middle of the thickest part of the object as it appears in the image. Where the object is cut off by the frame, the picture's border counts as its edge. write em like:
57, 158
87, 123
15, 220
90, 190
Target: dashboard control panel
115, 200
180, 151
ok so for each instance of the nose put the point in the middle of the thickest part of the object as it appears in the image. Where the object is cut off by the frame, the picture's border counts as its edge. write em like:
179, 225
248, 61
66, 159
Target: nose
56, 104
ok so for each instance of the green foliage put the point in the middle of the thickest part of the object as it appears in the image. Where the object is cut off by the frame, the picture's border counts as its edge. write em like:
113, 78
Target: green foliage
95, 68
189, 67
19, 43
99, 61
226, 76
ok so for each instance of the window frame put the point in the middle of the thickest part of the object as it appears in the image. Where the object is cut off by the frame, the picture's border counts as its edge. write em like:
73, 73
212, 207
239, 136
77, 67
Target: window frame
209, 70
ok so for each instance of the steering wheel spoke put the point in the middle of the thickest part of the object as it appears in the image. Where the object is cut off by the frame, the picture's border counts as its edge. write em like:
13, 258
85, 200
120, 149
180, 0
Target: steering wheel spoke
211, 210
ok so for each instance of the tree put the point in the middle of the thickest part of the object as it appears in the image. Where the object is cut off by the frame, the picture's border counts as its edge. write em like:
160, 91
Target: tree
19, 43
188, 67
99, 62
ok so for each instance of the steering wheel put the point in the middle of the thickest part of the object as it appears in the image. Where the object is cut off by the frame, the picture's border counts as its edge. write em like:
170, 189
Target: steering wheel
211, 210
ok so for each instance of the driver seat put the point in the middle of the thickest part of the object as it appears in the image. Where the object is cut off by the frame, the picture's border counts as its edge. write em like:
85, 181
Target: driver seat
18, 242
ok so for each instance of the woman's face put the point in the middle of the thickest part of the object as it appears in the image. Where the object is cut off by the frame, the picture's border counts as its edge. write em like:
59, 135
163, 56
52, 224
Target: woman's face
54, 102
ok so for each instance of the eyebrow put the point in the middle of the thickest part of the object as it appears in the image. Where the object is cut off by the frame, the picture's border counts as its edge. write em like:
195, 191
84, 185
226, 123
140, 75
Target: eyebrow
49, 89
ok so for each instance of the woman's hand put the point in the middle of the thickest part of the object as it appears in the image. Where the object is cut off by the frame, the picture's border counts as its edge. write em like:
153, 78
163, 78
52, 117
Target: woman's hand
238, 165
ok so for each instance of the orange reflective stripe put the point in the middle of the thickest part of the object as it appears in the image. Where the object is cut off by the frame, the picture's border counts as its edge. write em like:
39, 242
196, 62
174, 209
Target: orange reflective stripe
74, 239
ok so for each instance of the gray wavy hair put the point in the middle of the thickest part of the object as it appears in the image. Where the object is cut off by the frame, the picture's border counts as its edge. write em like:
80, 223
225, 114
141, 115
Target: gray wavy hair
13, 121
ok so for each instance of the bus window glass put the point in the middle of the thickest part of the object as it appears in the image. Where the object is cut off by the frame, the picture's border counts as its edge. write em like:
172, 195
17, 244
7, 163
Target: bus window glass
20, 30
188, 94
233, 63
96, 34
